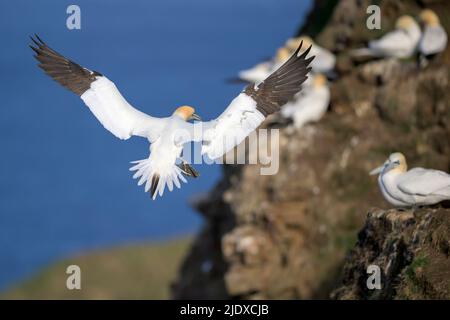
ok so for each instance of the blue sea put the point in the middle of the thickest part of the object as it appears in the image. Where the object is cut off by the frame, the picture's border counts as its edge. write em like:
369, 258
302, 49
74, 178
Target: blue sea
64, 182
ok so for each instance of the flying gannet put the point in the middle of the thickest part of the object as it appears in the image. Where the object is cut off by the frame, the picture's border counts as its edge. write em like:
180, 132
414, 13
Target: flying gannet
434, 36
415, 187
167, 136
324, 61
399, 43
310, 104
264, 69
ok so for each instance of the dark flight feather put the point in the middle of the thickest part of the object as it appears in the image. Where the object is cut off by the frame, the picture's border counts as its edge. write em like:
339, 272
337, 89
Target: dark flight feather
155, 181
66, 72
282, 84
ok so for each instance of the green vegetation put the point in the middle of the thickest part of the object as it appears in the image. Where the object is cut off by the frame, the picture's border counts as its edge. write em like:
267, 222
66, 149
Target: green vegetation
418, 263
142, 271
413, 288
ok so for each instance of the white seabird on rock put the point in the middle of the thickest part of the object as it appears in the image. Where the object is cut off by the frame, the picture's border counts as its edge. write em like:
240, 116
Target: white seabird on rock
434, 36
324, 61
399, 43
262, 70
311, 104
416, 187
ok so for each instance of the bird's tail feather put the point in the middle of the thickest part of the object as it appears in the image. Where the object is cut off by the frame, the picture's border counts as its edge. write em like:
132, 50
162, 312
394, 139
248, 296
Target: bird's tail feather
156, 177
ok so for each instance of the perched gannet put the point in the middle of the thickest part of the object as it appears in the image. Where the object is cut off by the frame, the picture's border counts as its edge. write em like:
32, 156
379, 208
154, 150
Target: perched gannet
324, 60
311, 104
165, 166
415, 187
399, 43
434, 36
262, 70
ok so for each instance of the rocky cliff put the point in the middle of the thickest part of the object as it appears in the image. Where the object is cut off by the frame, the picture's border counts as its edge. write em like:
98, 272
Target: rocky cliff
288, 235
412, 250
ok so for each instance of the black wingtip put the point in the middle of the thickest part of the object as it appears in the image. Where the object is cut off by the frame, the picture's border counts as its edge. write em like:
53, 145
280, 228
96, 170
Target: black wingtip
299, 48
34, 49
35, 42
306, 52
310, 59
39, 39
296, 57
155, 181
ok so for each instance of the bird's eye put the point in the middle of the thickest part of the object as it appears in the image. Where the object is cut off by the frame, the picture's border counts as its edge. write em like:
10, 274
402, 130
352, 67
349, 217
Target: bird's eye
397, 162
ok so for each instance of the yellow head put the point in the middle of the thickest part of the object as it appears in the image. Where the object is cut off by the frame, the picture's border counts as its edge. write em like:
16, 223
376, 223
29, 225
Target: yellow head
429, 18
292, 44
398, 162
186, 113
405, 22
319, 80
283, 54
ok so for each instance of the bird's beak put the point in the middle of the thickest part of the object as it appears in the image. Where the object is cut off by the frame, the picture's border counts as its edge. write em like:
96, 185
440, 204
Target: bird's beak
195, 117
376, 170
380, 168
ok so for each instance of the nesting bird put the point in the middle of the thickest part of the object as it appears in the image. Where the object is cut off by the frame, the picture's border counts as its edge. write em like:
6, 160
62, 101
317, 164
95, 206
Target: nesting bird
264, 69
324, 61
311, 104
434, 36
399, 43
416, 187
165, 165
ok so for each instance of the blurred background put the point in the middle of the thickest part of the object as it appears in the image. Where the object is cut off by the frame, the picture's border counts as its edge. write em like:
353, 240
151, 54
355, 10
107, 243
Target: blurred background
308, 232
65, 188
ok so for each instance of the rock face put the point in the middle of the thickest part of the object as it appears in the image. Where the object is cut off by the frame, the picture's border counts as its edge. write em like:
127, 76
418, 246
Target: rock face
412, 251
287, 235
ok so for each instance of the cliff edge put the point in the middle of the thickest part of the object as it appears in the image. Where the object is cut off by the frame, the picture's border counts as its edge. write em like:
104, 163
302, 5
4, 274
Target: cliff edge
289, 235
412, 250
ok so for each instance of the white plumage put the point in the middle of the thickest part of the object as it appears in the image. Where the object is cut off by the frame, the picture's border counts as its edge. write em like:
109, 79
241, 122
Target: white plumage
324, 61
116, 114
262, 70
434, 36
256, 73
434, 40
121, 119
164, 154
415, 187
399, 43
241, 117
310, 105
165, 166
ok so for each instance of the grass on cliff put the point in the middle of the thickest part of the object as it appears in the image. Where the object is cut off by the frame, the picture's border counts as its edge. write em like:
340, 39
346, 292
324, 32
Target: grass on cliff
142, 271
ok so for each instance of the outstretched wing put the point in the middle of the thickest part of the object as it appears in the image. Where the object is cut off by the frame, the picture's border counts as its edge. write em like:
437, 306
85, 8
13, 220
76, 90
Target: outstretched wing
98, 93
249, 109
